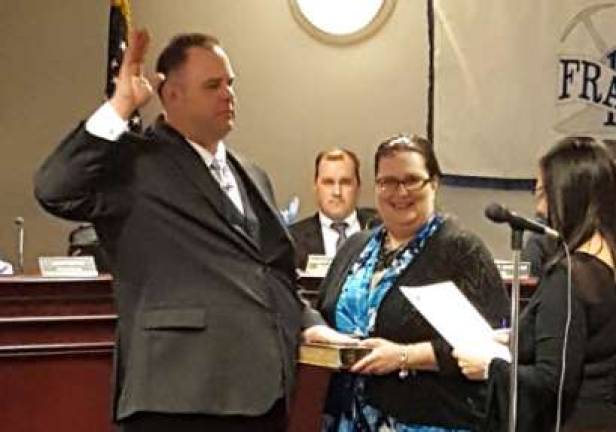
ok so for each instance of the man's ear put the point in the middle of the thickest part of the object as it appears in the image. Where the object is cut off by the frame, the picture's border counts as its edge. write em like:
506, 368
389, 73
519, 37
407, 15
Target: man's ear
167, 92
171, 89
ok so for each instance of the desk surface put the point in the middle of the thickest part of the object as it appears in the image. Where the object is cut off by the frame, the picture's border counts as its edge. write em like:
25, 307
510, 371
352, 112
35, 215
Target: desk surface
36, 278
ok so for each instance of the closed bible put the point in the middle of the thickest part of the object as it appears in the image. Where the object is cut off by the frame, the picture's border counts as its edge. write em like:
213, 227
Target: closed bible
333, 356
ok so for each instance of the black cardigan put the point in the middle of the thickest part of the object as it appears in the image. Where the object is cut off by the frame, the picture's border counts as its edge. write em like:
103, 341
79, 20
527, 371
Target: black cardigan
444, 398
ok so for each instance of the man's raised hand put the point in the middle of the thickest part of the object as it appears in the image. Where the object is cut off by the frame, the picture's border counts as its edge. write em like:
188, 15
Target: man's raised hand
133, 90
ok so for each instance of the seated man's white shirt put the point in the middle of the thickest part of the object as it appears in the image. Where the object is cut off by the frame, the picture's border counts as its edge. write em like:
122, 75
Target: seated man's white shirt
330, 236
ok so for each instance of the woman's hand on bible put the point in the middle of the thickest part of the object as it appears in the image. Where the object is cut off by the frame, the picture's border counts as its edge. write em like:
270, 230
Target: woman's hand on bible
325, 334
385, 357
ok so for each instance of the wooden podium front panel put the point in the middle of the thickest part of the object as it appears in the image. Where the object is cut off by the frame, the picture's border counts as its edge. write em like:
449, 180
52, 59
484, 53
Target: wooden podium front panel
309, 398
56, 392
56, 351
56, 345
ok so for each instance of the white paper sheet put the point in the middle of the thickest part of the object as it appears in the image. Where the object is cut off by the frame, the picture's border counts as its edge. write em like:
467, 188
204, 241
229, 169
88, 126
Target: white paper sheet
453, 316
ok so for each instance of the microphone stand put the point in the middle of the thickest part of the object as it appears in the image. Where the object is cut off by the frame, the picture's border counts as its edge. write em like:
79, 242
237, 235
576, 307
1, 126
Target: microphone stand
517, 236
19, 222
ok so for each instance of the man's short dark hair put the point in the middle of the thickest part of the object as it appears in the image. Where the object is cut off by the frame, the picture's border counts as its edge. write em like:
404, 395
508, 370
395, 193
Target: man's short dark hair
173, 55
336, 155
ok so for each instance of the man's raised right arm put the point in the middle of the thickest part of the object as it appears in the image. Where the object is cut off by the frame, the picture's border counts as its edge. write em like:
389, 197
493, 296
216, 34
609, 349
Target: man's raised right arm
74, 181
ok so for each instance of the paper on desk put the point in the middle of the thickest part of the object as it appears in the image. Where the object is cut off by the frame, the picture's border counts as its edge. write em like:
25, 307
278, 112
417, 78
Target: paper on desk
453, 316
6, 268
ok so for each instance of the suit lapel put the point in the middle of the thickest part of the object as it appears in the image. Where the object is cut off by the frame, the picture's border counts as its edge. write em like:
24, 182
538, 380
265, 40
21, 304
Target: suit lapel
315, 237
263, 189
191, 165
367, 216
361, 218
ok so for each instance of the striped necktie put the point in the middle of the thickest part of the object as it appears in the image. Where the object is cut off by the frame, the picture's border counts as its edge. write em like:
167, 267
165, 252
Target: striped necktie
340, 228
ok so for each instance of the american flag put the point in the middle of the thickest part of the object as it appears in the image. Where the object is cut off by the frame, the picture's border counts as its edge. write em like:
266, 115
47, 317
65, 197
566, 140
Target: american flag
119, 24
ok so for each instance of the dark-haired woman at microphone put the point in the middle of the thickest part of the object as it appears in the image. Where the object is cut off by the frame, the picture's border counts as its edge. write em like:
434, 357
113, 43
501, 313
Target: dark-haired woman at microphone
567, 339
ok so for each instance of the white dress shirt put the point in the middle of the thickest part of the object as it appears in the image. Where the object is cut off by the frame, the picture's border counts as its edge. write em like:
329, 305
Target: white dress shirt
227, 181
330, 236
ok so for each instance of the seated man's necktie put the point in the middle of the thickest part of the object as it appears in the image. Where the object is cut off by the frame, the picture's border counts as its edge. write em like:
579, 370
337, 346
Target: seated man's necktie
340, 228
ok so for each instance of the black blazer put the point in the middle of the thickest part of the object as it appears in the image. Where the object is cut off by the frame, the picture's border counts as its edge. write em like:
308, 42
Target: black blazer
308, 235
444, 398
209, 317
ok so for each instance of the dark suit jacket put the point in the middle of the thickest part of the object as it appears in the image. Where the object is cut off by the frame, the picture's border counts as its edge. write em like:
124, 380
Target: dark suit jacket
209, 316
308, 235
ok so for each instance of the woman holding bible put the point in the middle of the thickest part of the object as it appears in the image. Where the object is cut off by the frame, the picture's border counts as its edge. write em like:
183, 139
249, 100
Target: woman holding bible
410, 381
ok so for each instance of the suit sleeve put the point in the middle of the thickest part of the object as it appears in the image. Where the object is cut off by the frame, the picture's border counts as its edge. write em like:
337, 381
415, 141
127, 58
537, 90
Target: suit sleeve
83, 178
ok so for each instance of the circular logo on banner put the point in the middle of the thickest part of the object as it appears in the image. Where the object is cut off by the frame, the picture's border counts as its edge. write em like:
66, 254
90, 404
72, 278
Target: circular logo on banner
587, 72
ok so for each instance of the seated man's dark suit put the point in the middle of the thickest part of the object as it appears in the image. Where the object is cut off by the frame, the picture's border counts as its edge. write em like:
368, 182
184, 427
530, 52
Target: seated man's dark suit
209, 317
308, 235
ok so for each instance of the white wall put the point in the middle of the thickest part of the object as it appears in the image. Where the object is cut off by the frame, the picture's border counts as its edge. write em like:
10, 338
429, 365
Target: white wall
298, 96
52, 57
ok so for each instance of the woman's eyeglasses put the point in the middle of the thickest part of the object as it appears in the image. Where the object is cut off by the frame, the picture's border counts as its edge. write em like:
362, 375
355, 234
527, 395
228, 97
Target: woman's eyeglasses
389, 185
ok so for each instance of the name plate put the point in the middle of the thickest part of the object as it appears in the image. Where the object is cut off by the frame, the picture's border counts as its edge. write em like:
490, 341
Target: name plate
505, 269
6, 268
68, 267
317, 265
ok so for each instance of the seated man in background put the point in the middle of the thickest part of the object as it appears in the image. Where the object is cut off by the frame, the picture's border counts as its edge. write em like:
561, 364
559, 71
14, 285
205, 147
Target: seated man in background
336, 185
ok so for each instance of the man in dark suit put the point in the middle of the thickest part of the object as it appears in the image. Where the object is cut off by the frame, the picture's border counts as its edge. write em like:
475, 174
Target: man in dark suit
336, 185
209, 318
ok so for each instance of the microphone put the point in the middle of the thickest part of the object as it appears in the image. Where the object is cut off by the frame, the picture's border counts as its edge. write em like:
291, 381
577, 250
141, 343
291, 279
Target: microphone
500, 214
19, 222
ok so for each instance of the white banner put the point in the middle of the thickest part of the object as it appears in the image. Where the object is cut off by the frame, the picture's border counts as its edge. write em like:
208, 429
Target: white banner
511, 77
